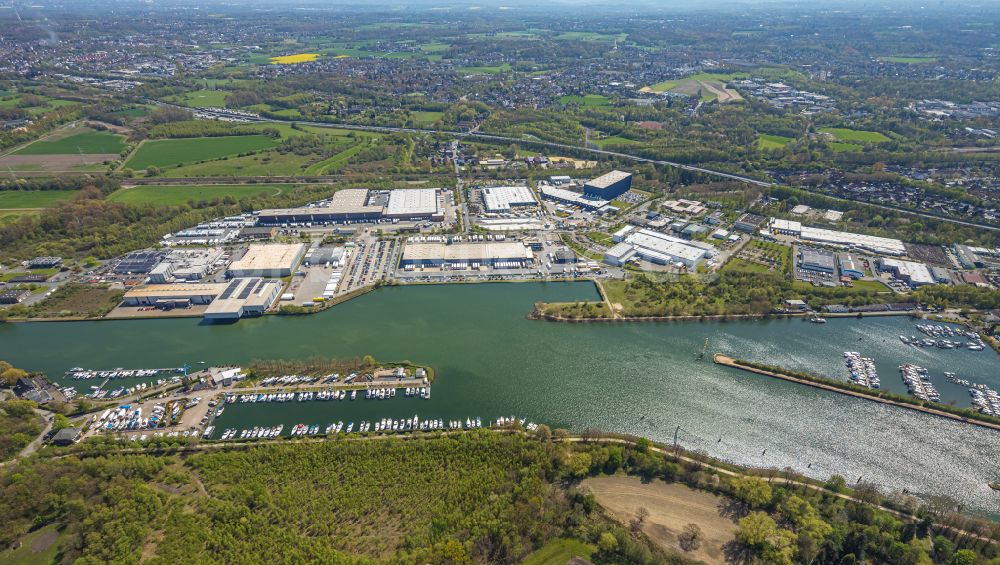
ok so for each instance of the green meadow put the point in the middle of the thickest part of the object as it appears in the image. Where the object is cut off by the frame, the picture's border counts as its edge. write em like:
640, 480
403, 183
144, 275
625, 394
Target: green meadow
167, 152
847, 134
88, 142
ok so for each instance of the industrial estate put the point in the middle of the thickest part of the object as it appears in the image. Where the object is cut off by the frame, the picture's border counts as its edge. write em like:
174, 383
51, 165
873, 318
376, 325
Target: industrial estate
467, 283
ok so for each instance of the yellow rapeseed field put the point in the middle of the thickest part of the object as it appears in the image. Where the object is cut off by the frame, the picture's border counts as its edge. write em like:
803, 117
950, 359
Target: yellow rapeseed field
292, 59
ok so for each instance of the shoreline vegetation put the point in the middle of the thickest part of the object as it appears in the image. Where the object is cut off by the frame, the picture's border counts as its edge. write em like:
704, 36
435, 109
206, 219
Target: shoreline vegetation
965, 415
321, 366
445, 486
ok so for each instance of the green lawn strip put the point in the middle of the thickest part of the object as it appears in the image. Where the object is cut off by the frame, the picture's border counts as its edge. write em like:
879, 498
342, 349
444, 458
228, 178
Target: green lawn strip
201, 99
168, 195
41, 540
560, 552
767, 141
847, 134
10, 199
264, 163
586, 101
334, 163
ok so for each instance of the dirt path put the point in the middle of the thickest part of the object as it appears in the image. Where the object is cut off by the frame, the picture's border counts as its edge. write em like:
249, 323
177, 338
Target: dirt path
671, 507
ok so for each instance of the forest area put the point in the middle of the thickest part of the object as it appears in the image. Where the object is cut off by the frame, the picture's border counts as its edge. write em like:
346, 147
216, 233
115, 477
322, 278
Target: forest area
476, 497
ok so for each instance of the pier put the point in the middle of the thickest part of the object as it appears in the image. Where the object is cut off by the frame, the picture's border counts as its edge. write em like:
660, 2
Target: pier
724, 360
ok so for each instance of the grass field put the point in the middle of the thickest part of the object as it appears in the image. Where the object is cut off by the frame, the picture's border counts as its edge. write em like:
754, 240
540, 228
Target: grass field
166, 152
847, 134
614, 140
706, 77
426, 118
10, 216
589, 36
40, 547
173, 195
907, 60
560, 552
86, 142
201, 98
80, 299
265, 163
586, 101
33, 198
767, 141
875, 286
485, 70
333, 164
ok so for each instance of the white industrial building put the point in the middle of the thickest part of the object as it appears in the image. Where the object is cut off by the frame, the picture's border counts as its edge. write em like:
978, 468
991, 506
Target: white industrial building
912, 273
875, 244
498, 255
184, 294
499, 199
573, 198
655, 247
412, 203
361, 204
270, 260
186, 265
244, 297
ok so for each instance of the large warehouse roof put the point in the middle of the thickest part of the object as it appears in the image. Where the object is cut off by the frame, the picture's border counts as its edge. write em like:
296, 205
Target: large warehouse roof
177, 290
872, 243
268, 257
501, 198
412, 202
573, 197
465, 251
352, 200
650, 243
249, 292
609, 179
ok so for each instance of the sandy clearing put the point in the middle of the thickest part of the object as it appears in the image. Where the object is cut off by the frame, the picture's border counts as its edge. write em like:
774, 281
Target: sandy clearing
55, 162
722, 93
671, 507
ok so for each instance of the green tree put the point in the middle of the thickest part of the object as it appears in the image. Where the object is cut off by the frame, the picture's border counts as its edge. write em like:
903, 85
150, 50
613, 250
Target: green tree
752, 491
59, 422
607, 543
964, 557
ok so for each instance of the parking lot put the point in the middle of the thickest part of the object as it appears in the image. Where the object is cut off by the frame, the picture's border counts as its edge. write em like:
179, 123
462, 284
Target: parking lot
371, 260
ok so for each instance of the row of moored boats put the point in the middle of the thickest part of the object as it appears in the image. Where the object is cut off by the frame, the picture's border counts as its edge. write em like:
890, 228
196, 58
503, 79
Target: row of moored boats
862, 370
306, 396
385, 425
918, 382
974, 345
984, 399
78, 373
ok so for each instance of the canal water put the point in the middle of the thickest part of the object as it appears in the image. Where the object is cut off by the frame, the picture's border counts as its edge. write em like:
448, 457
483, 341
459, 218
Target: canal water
638, 378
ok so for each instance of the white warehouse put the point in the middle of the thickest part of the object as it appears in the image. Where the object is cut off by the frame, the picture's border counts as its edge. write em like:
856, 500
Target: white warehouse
657, 248
499, 199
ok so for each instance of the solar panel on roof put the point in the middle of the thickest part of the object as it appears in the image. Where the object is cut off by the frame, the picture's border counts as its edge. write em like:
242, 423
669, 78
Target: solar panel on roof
246, 291
229, 289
